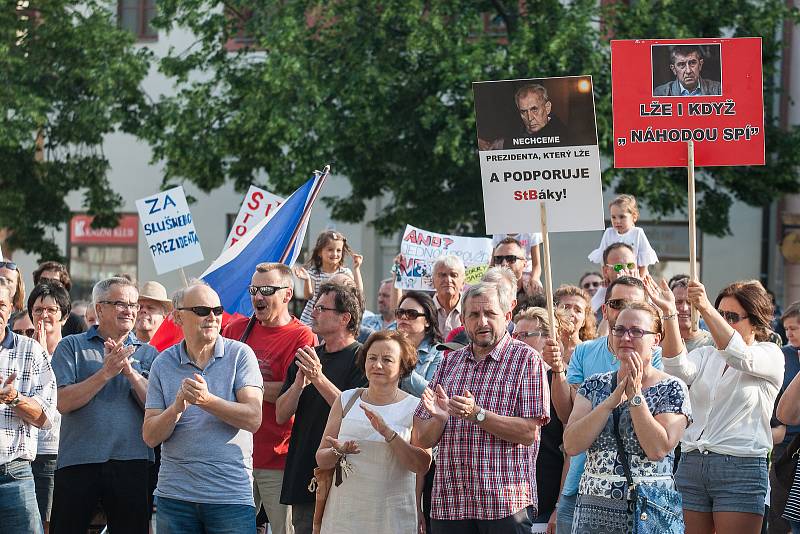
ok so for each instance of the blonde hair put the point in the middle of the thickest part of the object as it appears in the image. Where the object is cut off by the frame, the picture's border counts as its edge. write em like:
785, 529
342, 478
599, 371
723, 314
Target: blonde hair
540, 315
627, 203
588, 330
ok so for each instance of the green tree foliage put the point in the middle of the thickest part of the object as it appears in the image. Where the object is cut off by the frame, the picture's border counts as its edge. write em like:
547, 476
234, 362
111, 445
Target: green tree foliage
69, 78
381, 89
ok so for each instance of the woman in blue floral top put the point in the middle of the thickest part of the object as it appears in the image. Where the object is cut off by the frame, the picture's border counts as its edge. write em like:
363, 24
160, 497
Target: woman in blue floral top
654, 412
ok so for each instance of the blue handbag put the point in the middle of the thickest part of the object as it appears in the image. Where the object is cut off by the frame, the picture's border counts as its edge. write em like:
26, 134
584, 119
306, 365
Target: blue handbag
656, 510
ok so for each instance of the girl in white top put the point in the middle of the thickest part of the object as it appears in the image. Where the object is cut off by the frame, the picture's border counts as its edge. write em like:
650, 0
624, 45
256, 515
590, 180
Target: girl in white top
732, 391
624, 214
374, 437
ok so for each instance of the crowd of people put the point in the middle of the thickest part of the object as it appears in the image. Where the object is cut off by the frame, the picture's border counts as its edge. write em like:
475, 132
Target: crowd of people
469, 409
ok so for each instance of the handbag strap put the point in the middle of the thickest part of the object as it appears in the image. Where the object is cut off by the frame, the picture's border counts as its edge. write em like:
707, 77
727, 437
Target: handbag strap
623, 456
352, 401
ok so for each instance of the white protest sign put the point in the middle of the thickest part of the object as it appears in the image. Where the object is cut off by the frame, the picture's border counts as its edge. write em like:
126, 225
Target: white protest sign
537, 141
258, 205
422, 248
169, 230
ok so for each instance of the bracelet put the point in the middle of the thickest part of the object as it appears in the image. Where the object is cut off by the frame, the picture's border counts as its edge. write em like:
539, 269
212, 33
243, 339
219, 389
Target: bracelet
670, 316
394, 435
336, 452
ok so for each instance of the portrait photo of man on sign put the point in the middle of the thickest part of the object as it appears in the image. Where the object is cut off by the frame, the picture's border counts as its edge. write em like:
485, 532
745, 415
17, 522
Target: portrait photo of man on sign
534, 113
686, 70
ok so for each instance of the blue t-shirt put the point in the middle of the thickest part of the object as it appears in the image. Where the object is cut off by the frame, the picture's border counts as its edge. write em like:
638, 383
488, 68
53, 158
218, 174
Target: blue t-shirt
791, 368
108, 427
591, 358
205, 460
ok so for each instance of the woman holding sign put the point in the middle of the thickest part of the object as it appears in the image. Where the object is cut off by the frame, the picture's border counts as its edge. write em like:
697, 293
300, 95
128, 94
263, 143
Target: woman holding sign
722, 474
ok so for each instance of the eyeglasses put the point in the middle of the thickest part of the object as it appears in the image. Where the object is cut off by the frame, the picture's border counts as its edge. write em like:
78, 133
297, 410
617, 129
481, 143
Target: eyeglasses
589, 285
266, 291
203, 311
732, 317
617, 304
28, 332
407, 313
620, 266
50, 310
634, 332
510, 259
8, 265
122, 306
525, 335
320, 308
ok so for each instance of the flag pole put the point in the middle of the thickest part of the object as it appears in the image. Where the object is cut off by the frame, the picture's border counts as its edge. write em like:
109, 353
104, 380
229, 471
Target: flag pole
695, 316
322, 176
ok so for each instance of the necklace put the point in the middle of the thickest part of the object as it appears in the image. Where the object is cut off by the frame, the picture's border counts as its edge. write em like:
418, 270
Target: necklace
394, 398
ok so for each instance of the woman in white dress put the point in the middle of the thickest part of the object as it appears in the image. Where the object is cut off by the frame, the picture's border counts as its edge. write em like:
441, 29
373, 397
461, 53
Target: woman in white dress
377, 492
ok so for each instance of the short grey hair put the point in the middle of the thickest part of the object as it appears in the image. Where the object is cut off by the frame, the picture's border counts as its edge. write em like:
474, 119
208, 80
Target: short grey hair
285, 273
102, 288
487, 289
451, 261
504, 278
177, 297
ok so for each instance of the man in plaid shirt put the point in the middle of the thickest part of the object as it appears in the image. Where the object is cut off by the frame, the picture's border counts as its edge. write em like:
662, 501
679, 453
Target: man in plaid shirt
484, 407
27, 402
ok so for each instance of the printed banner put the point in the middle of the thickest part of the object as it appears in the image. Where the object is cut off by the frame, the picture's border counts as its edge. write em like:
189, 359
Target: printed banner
537, 141
421, 249
258, 205
669, 91
169, 230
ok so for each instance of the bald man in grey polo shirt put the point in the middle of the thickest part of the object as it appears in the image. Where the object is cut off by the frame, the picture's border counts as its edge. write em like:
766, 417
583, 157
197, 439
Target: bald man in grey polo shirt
203, 405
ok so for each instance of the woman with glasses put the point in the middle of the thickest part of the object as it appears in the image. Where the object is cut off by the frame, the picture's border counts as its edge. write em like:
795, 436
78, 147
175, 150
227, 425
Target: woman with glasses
723, 469
10, 271
532, 326
416, 318
48, 308
653, 411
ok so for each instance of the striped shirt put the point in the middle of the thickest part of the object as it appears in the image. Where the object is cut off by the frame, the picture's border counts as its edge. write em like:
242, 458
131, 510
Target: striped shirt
35, 380
479, 475
319, 277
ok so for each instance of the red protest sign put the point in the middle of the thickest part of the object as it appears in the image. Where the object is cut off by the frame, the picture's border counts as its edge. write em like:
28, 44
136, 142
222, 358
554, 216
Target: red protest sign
669, 91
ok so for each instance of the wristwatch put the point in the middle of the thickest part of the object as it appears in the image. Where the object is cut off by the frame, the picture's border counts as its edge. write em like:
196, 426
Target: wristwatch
637, 400
14, 402
480, 417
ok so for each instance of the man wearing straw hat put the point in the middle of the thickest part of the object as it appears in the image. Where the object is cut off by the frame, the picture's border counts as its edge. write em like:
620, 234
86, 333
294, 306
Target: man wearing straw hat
154, 306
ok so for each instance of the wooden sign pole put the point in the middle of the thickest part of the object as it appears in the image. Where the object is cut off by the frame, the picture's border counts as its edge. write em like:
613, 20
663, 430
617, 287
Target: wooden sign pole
548, 275
692, 233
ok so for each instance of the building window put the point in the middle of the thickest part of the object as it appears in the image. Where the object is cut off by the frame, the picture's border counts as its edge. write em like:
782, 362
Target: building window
136, 17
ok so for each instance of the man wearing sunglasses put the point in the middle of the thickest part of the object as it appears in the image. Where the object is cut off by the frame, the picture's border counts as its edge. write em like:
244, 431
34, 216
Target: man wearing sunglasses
590, 357
509, 253
102, 385
275, 336
27, 402
618, 260
203, 406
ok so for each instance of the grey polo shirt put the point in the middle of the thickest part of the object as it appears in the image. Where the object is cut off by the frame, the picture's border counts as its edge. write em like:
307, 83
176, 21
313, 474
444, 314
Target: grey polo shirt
205, 460
108, 427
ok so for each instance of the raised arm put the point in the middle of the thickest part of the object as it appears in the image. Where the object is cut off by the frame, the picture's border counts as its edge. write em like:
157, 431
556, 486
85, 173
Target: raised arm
585, 423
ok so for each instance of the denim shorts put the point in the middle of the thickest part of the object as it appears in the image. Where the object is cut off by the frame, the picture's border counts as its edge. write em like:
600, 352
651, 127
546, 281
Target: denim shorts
711, 482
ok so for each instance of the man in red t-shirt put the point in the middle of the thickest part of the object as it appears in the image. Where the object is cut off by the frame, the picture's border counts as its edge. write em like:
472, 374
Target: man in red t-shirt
274, 335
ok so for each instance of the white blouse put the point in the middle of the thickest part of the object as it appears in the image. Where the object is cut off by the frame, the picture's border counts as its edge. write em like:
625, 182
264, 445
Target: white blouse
635, 238
731, 409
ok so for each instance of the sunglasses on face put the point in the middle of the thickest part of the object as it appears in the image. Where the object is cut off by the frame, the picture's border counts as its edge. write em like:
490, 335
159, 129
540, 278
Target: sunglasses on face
203, 311
266, 291
525, 335
634, 332
8, 265
732, 317
407, 313
618, 267
616, 304
510, 259
28, 332
589, 285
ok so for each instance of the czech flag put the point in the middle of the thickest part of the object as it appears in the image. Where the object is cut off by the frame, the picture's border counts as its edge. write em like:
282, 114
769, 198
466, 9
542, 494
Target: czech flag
278, 238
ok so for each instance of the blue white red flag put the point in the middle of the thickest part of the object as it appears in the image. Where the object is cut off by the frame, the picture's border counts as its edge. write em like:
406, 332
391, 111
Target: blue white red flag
278, 238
